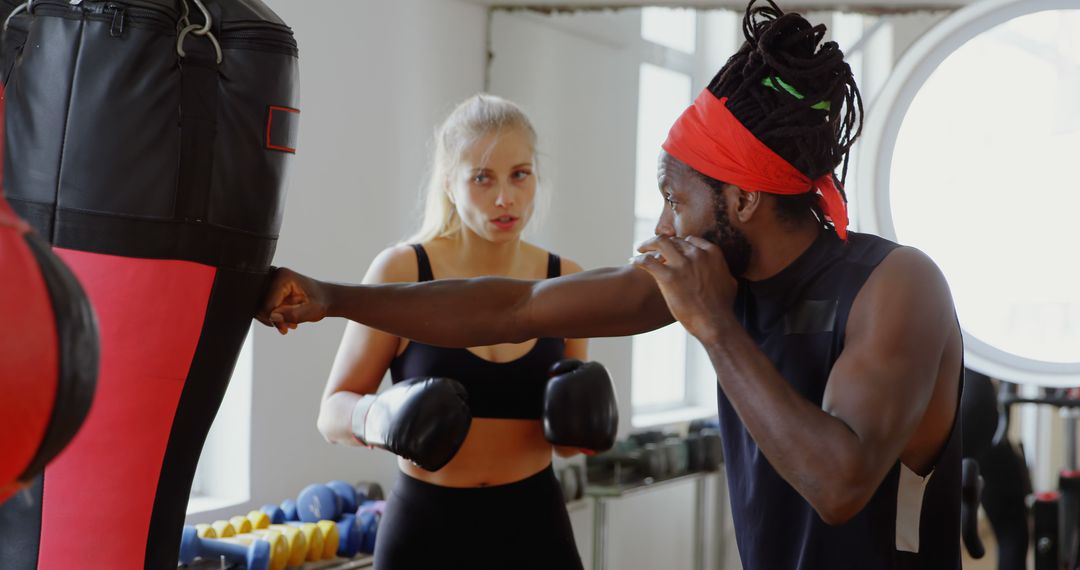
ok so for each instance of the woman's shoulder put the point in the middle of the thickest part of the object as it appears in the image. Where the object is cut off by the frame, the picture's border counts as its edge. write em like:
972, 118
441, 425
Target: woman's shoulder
396, 263
570, 266
567, 265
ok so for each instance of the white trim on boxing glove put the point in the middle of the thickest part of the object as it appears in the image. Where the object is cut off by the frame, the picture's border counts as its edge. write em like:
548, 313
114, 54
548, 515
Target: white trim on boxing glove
359, 419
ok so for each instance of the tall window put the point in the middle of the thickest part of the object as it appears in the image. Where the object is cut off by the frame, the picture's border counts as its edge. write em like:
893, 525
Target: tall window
664, 370
659, 361
222, 477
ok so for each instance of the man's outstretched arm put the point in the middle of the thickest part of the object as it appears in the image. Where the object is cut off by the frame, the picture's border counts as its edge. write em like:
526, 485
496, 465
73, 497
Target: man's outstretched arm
477, 312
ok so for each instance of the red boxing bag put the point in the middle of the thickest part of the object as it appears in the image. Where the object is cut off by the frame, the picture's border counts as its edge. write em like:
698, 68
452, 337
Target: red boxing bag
49, 347
150, 141
49, 351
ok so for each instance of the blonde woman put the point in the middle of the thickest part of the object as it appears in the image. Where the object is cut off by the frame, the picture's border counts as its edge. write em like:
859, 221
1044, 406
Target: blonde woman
496, 503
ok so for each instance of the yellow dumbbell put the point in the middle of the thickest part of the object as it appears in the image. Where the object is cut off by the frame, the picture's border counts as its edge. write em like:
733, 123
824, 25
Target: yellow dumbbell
241, 524
298, 548
224, 529
205, 531
259, 520
314, 537
331, 539
279, 549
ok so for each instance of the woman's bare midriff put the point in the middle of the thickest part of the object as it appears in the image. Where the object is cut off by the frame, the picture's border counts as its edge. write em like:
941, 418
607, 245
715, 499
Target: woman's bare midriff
496, 452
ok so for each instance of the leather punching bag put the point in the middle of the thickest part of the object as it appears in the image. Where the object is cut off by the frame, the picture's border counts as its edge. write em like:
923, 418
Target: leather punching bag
149, 141
49, 351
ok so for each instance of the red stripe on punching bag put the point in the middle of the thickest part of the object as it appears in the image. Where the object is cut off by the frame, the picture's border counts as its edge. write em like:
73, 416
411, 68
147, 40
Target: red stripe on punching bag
99, 492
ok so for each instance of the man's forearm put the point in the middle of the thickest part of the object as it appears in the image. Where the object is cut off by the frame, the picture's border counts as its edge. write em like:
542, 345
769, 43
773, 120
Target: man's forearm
447, 312
813, 451
615, 301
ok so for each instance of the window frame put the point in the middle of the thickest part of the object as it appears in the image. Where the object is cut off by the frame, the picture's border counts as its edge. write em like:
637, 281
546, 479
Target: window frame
878, 142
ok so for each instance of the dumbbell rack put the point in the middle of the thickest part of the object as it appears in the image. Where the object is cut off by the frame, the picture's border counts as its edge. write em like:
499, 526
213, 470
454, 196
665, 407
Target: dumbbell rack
361, 561
707, 536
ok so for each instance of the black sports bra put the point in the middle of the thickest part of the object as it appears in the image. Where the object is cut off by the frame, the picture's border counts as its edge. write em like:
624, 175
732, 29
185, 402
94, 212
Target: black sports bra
511, 390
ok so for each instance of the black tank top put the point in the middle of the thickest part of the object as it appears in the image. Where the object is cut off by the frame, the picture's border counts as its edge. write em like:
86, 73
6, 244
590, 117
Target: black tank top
510, 390
797, 318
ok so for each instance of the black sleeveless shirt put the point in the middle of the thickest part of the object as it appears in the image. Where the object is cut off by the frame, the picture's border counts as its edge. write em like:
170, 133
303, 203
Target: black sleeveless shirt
509, 390
797, 318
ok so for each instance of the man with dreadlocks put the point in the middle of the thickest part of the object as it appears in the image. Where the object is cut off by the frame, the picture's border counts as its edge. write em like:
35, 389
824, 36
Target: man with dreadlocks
838, 355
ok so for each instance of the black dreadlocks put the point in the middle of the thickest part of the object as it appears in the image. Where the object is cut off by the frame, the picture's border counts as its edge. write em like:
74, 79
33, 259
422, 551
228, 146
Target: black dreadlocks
813, 121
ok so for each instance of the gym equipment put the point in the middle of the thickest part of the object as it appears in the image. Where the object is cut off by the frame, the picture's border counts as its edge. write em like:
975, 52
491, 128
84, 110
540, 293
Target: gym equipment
256, 555
259, 520
349, 499
351, 496
1057, 543
370, 490
310, 538
331, 538
149, 141
579, 407
205, 531
294, 539
49, 350
289, 510
318, 502
241, 524
1002, 472
279, 548
314, 537
1045, 511
223, 529
388, 420
714, 449
971, 487
276, 514
368, 517
350, 535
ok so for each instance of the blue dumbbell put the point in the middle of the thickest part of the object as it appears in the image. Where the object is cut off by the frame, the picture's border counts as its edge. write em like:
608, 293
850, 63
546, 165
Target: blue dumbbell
277, 516
318, 502
348, 495
288, 508
256, 556
351, 536
368, 523
368, 516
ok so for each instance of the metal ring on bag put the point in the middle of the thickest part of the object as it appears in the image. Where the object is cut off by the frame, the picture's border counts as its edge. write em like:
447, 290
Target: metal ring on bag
206, 16
194, 29
27, 7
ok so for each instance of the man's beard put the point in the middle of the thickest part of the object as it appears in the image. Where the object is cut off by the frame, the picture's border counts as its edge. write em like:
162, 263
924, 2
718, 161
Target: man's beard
732, 241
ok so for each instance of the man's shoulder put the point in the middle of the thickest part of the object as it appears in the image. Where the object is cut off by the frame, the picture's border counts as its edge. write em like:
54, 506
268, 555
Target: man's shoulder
868, 248
892, 270
906, 274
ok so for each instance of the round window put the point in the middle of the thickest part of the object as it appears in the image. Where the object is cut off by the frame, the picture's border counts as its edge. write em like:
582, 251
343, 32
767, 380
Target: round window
970, 154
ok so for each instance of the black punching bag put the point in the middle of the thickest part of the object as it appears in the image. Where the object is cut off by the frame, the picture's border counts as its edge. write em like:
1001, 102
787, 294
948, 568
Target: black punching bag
149, 141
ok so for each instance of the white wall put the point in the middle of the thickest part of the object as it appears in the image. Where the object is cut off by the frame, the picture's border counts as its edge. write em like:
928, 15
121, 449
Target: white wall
375, 79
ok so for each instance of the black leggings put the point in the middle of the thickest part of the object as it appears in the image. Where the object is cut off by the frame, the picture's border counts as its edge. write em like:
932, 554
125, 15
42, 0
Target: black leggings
520, 525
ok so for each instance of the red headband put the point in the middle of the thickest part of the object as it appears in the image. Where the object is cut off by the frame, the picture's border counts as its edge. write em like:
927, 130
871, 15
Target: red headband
709, 139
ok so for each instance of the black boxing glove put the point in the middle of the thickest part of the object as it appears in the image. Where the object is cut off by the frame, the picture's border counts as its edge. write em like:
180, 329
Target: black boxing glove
579, 407
424, 420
